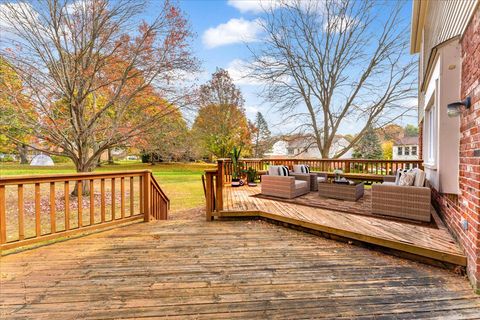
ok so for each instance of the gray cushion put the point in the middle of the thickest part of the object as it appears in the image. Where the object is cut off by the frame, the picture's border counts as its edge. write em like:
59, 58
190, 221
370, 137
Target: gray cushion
301, 184
273, 170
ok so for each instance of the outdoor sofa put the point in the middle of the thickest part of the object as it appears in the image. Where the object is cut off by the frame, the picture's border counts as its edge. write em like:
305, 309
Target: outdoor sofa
408, 202
282, 185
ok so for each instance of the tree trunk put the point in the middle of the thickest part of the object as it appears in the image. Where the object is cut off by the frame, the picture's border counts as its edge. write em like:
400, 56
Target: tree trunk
22, 152
85, 183
110, 156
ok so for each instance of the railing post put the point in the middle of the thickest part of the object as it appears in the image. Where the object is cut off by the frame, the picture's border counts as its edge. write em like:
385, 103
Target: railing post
208, 195
347, 166
219, 186
147, 196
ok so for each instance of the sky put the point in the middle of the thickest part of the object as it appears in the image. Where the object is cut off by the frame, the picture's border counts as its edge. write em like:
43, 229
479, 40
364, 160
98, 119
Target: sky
222, 29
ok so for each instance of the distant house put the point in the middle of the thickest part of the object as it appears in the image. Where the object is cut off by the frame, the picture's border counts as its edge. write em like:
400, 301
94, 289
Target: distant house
301, 146
405, 148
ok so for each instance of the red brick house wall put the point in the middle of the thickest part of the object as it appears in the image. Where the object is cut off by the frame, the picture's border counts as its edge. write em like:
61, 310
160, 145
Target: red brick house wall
466, 206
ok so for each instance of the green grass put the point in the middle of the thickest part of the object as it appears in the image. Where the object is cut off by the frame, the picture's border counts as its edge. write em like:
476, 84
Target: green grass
181, 181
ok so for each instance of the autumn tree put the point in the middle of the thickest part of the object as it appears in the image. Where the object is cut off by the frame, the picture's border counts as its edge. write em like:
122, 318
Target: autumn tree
12, 101
262, 137
221, 123
90, 68
326, 64
369, 146
168, 142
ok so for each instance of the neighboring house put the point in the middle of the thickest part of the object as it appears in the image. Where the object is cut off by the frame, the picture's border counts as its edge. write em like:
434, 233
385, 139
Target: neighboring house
446, 35
299, 146
405, 148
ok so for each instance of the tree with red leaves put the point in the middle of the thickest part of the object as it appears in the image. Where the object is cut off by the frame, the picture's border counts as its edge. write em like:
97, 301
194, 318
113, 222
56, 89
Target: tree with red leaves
94, 73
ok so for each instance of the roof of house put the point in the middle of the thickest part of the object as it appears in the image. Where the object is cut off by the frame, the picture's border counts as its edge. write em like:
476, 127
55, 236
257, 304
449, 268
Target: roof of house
405, 141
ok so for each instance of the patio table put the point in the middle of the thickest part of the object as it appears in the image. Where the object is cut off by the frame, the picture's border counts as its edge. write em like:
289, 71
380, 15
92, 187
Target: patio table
351, 192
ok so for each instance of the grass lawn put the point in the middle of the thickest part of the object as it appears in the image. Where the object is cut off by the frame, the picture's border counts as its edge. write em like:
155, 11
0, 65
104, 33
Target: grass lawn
181, 181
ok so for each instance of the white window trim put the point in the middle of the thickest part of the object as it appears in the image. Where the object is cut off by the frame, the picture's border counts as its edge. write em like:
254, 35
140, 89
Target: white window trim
431, 117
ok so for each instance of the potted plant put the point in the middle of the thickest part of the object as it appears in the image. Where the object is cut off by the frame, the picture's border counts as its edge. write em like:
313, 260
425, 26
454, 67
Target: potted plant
236, 166
251, 176
338, 174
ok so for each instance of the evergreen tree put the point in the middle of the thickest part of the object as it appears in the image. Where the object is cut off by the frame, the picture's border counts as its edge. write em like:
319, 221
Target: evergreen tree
411, 130
369, 146
262, 138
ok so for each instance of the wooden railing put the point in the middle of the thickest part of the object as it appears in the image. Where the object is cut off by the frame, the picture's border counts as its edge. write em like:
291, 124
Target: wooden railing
43, 207
359, 166
213, 188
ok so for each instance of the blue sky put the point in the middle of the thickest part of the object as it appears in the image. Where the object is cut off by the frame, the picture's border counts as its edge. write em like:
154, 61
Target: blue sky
219, 26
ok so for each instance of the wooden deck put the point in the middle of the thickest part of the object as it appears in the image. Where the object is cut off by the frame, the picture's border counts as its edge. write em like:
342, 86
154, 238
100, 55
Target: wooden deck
421, 241
230, 270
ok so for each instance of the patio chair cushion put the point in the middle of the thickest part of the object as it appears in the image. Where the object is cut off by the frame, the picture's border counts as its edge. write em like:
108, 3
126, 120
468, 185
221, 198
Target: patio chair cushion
301, 184
273, 170
301, 168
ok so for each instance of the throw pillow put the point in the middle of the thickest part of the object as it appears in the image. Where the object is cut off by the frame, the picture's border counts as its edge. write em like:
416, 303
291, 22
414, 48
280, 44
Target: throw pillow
399, 174
407, 179
307, 168
283, 171
419, 177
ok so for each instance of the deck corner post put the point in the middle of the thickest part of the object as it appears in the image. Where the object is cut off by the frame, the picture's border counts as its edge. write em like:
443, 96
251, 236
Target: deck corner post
146, 196
219, 185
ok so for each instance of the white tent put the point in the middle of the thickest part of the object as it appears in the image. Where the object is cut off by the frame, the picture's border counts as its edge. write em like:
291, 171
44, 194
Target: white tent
41, 160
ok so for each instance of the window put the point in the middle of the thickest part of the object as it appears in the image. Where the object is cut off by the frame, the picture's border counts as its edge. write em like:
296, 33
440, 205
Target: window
431, 129
399, 151
414, 150
407, 151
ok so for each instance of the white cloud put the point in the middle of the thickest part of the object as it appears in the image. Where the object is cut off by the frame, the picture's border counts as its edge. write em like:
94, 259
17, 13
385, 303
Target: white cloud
238, 70
234, 31
255, 6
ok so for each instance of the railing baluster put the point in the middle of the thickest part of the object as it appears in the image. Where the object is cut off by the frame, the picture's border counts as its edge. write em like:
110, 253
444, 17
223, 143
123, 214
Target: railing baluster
80, 203
67, 205
21, 213
113, 198
92, 202
38, 230
53, 218
122, 197
141, 198
102, 200
3, 221
132, 196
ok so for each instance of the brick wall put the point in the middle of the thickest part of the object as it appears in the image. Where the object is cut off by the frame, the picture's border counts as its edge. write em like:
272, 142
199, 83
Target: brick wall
467, 205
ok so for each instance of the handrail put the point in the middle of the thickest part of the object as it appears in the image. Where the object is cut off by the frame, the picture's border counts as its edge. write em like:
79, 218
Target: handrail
159, 189
363, 166
43, 207
67, 176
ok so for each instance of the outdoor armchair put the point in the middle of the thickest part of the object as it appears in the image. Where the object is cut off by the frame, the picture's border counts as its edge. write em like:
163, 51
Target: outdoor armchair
313, 177
284, 186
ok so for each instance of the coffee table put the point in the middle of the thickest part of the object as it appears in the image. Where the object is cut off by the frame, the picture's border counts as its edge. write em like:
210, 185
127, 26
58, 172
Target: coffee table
351, 192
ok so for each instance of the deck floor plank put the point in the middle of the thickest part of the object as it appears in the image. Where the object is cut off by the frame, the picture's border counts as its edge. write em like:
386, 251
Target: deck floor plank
223, 270
437, 239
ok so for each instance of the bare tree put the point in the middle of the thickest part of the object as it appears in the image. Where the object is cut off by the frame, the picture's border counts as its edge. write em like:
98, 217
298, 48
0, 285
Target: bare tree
329, 63
90, 68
